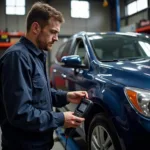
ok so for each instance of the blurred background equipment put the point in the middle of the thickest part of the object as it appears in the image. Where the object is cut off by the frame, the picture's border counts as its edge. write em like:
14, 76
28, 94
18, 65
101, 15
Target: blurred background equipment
7, 39
105, 3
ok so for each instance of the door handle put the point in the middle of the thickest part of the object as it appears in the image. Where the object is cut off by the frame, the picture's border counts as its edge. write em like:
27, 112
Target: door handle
63, 75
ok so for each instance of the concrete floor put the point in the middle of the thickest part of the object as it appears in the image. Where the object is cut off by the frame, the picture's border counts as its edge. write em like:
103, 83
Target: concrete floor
57, 145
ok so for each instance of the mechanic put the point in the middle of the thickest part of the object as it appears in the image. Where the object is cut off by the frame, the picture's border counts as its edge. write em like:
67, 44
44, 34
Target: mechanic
26, 96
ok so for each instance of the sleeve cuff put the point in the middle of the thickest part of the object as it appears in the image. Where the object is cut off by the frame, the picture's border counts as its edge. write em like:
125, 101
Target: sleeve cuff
59, 119
65, 93
62, 98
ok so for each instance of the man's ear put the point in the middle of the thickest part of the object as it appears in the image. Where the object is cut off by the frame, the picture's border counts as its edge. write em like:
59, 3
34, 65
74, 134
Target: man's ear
35, 28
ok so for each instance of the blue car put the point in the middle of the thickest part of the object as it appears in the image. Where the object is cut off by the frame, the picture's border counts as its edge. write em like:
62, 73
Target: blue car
114, 68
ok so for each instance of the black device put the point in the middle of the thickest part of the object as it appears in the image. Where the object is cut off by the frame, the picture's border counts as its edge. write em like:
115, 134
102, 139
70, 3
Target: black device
81, 110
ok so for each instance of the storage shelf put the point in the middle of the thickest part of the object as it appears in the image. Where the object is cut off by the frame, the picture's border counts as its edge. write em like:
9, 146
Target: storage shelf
145, 29
13, 34
5, 45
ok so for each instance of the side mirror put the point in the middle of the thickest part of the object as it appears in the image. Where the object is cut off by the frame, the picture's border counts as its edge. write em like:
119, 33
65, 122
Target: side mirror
72, 61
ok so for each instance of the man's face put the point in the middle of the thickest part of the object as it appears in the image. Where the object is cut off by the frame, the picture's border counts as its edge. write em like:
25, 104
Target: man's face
48, 35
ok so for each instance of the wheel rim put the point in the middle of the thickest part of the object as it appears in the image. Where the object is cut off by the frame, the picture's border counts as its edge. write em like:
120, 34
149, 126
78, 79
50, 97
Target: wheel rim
101, 140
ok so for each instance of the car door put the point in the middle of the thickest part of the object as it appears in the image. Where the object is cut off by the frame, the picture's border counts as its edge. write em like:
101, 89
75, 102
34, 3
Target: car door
58, 72
76, 77
82, 78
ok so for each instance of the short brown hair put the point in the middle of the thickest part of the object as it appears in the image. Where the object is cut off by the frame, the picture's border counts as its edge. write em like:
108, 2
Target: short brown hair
41, 12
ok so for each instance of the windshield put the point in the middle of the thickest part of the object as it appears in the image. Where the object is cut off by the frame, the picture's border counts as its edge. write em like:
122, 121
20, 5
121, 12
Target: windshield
110, 47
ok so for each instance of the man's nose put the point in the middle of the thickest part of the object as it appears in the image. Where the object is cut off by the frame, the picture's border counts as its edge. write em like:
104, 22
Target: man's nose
55, 38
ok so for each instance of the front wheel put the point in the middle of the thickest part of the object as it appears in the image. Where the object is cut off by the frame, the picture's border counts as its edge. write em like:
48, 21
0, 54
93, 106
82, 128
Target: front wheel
102, 135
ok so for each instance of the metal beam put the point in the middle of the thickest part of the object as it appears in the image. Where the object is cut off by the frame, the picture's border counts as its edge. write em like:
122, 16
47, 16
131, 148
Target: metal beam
118, 15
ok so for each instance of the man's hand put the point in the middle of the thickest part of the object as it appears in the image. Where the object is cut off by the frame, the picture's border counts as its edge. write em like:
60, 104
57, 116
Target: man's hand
72, 121
76, 96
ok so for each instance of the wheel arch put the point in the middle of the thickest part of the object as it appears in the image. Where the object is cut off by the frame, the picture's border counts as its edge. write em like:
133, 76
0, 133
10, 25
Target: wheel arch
96, 109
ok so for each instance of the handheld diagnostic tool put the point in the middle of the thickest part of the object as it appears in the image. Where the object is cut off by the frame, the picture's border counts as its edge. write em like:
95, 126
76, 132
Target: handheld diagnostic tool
81, 110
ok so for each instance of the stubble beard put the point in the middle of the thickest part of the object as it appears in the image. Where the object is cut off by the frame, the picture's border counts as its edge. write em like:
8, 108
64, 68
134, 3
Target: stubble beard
41, 45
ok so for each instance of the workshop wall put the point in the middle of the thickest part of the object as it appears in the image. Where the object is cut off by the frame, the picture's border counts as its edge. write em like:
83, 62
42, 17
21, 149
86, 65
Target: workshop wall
99, 18
135, 18
13, 22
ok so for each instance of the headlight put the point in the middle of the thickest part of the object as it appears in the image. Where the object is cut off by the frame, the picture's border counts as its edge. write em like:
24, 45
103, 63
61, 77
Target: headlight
139, 99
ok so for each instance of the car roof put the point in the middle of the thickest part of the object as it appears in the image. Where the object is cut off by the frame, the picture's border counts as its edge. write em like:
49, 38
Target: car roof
132, 34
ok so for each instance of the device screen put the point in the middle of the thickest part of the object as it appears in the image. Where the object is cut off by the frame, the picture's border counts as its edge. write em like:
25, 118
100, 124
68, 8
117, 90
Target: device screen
82, 107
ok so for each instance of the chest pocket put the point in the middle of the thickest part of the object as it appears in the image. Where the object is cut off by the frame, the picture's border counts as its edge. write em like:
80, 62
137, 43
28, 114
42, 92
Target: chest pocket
39, 91
39, 82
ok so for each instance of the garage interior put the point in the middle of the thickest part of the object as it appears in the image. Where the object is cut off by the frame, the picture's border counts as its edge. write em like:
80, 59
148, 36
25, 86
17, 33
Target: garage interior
91, 16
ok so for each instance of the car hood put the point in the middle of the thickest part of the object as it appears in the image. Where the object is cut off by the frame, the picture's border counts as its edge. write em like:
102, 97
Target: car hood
129, 73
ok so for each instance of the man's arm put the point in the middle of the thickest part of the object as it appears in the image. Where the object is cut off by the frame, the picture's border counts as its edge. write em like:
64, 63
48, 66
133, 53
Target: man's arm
17, 96
59, 98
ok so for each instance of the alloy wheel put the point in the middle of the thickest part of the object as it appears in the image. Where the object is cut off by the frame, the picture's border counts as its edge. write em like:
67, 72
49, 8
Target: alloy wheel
101, 140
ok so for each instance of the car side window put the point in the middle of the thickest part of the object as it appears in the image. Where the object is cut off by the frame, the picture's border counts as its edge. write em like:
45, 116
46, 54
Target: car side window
67, 48
59, 52
81, 51
64, 50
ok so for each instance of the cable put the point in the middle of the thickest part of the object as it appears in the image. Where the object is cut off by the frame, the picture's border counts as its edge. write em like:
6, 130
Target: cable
67, 135
66, 143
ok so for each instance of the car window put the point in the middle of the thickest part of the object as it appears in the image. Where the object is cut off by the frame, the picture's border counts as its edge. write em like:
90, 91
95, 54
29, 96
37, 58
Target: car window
129, 50
59, 52
64, 50
109, 47
81, 51
67, 48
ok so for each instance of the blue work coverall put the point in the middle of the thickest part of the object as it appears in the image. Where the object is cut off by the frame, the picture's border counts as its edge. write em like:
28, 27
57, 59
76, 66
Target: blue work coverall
27, 99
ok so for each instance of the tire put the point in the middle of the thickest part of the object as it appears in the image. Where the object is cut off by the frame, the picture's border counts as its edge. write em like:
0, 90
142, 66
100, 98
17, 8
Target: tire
108, 140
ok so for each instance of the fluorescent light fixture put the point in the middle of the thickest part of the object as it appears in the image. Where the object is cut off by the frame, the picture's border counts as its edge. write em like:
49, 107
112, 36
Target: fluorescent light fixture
132, 8
15, 7
142, 4
80, 9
